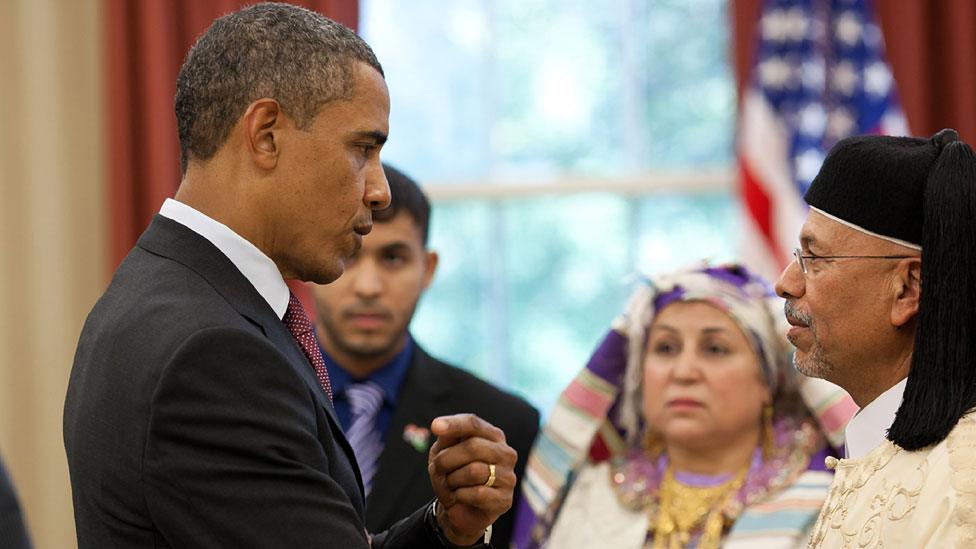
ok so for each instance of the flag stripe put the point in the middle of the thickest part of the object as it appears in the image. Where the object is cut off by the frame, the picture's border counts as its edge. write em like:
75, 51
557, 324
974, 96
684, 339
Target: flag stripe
820, 75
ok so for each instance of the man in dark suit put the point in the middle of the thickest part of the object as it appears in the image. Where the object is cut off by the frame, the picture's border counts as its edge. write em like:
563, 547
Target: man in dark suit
387, 387
199, 408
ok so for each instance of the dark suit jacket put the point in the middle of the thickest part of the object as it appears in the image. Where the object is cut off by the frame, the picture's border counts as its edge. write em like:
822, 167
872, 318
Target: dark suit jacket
432, 388
193, 419
13, 533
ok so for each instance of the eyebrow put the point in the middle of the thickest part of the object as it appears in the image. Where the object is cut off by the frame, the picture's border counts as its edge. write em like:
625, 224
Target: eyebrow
395, 247
807, 241
375, 136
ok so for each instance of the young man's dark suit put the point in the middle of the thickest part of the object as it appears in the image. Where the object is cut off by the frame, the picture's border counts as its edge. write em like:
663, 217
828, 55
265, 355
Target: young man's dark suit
432, 388
193, 419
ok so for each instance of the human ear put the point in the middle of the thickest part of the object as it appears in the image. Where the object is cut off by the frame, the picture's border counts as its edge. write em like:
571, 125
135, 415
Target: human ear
908, 291
430, 266
261, 122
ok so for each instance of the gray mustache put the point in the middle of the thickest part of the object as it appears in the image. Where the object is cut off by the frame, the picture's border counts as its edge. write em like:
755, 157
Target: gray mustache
790, 310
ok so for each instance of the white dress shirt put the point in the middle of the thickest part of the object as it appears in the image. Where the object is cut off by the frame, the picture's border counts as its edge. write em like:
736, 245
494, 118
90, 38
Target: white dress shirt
867, 429
253, 264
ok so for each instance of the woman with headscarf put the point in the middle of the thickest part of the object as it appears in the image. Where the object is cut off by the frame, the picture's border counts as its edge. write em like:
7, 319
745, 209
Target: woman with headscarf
687, 429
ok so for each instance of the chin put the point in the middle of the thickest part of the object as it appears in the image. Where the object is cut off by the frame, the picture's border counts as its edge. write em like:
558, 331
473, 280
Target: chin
363, 343
320, 278
810, 366
319, 271
368, 350
321, 275
686, 437
686, 428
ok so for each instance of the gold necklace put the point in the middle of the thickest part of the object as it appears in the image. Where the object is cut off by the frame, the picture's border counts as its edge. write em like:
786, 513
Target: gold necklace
684, 509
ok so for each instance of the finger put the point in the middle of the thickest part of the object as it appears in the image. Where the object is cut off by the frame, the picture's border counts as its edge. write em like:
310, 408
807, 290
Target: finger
440, 444
438, 482
437, 447
461, 426
467, 451
489, 501
478, 473
473, 450
476, 476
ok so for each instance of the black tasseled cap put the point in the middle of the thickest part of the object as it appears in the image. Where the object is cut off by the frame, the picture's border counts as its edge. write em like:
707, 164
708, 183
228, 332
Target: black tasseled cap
878, 182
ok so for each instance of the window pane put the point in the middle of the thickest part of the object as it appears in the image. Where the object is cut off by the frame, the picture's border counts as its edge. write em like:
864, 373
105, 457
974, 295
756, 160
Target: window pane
565, 265
675, 230
559, 86
453, 319
527, 287
689, 89
533, 88
517, 91
435, 56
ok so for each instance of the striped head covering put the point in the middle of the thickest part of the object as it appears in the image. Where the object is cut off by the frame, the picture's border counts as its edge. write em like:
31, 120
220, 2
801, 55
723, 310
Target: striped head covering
745, 297
600, 413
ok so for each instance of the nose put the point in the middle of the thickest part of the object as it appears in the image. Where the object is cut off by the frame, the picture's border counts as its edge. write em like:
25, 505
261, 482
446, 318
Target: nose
366, 281
377, 192
686, 368
791, 282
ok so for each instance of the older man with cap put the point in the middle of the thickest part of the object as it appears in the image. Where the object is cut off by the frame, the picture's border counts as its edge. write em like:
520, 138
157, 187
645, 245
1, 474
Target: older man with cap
880, 303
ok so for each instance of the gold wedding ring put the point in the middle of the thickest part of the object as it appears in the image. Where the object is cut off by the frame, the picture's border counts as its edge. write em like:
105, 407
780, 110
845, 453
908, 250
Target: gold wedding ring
491, 475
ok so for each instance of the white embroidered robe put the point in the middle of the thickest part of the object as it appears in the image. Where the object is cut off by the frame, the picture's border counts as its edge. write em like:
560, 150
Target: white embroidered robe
894, 498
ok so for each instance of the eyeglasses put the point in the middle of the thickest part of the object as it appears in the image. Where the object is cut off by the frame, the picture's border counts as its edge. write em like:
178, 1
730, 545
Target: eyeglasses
801, 259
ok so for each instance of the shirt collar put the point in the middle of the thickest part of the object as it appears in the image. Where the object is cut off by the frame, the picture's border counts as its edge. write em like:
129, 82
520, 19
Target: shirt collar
867, 429
390, 377
256, 267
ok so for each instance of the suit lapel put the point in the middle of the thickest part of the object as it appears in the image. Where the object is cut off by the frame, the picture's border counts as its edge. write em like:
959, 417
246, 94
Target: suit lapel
175, 241
171, 239
418, 404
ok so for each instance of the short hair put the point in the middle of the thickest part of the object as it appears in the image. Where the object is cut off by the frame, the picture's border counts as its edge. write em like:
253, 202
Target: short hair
405, 195
295, 56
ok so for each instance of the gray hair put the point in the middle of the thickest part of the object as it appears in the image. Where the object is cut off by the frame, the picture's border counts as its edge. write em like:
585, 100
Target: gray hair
295, 56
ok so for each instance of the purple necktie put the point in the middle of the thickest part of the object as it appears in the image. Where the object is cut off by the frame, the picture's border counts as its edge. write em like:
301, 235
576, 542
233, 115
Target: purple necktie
365, 400
300, 327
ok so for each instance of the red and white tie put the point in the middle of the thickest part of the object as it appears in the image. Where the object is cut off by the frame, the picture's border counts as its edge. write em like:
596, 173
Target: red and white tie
300, 327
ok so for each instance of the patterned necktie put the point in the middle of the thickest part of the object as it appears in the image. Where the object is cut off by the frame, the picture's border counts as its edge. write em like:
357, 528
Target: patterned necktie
300, 327
365, 400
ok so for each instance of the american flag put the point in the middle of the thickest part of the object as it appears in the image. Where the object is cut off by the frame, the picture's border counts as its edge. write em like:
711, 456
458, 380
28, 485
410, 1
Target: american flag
820, 75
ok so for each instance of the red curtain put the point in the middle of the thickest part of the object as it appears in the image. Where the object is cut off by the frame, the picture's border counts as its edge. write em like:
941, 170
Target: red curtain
929, 46
744, 18
147, 41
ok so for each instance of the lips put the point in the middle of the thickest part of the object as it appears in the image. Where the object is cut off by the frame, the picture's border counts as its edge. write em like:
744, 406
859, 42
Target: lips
796, 322
368, 322
359, 231
798, 330
684, 402
368, 319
